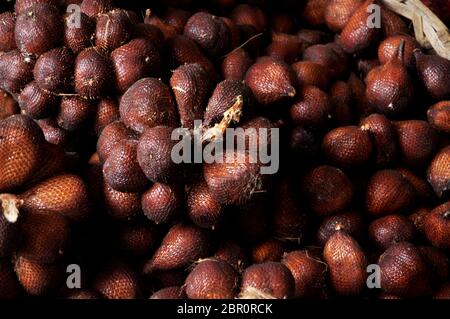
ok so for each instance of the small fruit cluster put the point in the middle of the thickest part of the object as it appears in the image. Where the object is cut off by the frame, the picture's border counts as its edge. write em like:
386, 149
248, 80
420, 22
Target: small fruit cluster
88, 178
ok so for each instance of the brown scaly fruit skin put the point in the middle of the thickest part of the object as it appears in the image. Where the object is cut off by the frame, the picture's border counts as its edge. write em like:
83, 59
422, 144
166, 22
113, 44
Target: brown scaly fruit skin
146, 104
38, 29
113, 29
118, 282
191, 86
121, 205
388, 50
309, 273
8, 106
439, 116
174, 292
15, 71
437, 226
269, 280
7, 23
230, 251
314, 12
438, 174
268, 250
339, 12
236, 64
391, 229
121, 169
212, 279
313, 109
311, 73
161, 203
36, 102
138, 239
203, 209
347, 264
93, 8
434, 73
78, 38
322, 184
20, 151
404, 272
271, 80
182, 245
388, 192
351, 222
357, 36
111, 136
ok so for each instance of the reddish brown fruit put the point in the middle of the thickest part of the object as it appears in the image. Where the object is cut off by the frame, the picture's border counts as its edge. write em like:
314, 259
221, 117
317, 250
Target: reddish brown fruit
438, 173
154, 154
270, 280
434, 72
327, 56
110, 137
176, 18
389, 87
389, 230
117, 282
235, 182
53, 163
44, 237
92, 73
268, 250
313, 109
289, 221
113, 29
357, 35
211, 33
107, 113
169, 31
347, 264
191, 86
133, 61
392, 24
202, 207
236, 64
181, 246
121, 168
351, 222
74, 112
212, 279
285, 47
342, 99
271, 80
174, 292
311, 37
314, 12
38, 29
121, 206
7, 23
138, 239
339, 12
437, 226
225, 96
367, 65
247, 15
439, 116
53, 70
151, 33
8, 106
36, 279
36, 102
309, 273
146, 104
162, 203
388, 50
385, 138
93, 8
22, 5
348, 147
417, 141
311, 73
9, 285
229, 251
185, 51
20, 151
327, 190
404, 272
53, 133
422, 188
64, 195
78, 37
388, 192
15, 71
282, 22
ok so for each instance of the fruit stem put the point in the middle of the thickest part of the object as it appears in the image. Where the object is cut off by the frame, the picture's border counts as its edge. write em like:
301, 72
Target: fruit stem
233, 114
10, 206
401, 51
